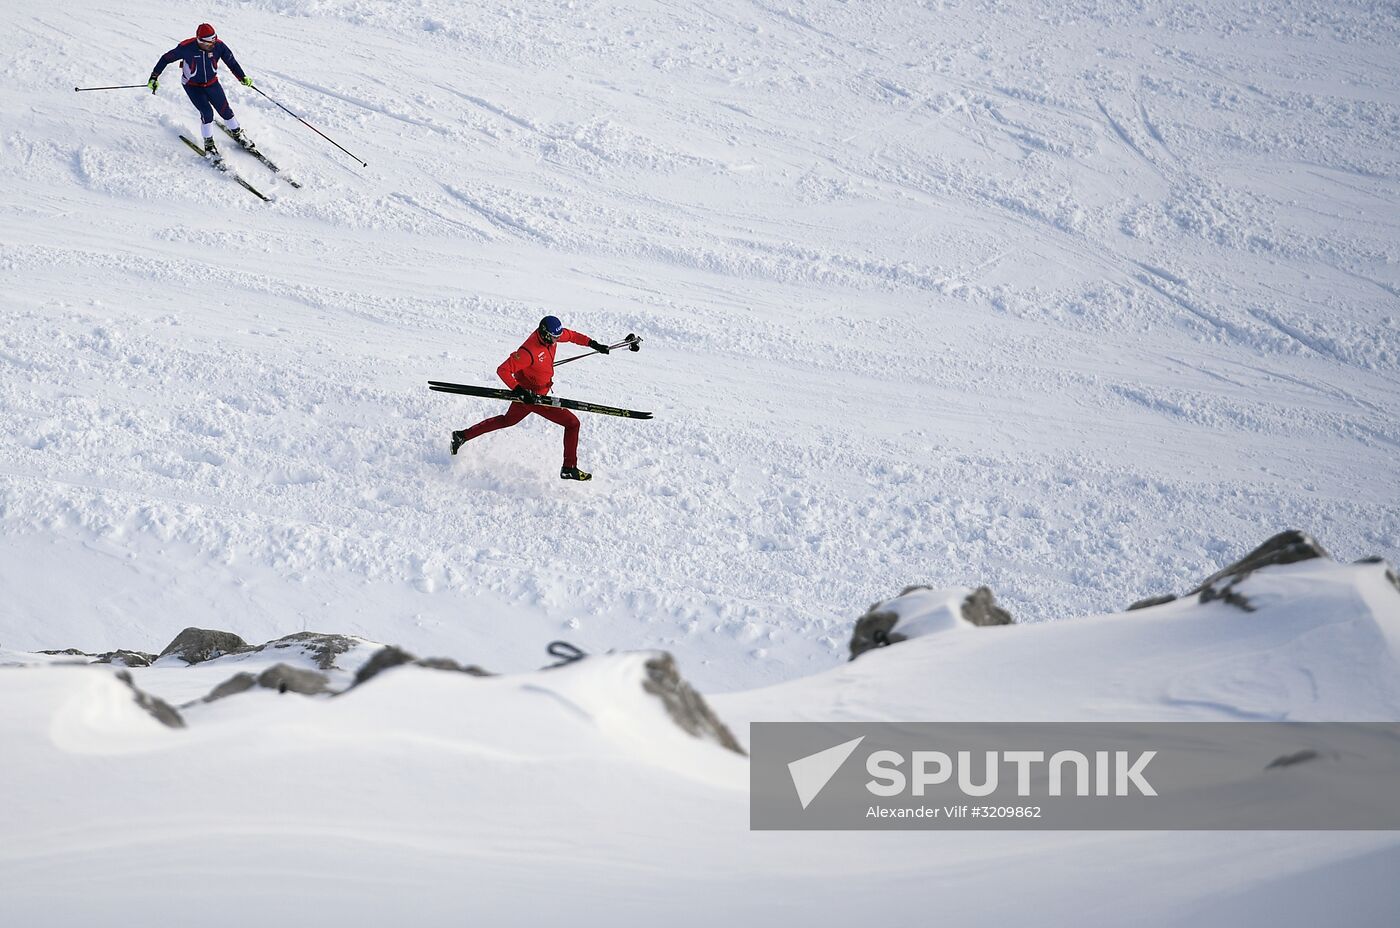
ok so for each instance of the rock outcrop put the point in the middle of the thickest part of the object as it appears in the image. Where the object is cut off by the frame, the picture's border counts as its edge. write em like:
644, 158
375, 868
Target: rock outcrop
280, 677
323, 649
1284, 548
893, 621
391, 656
126, 658
161, 710
981, 609
684, 705
196, 645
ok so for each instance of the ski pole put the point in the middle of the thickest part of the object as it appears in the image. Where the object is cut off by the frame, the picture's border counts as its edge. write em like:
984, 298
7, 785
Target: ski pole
631, 341
119, 87
309, 126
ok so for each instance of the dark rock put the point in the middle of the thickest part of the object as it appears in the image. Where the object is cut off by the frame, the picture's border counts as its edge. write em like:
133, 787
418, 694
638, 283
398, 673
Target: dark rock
1227, 594
447, 663
196, 645
324, 649
684, 705
981, 609
875, 629
1151, 601
1284, 548
119, 656
280, 677
237, 683
1288, 760
386, 657
161, 710
284, 678
127, 658
390, 656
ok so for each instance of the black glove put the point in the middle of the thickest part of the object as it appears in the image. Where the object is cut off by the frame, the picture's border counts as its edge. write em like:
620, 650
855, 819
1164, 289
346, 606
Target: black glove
525, 396
600, 348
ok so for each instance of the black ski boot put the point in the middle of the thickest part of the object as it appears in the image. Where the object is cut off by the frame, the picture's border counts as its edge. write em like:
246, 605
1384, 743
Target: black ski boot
212, 151
241, 138
458, 440
573, 473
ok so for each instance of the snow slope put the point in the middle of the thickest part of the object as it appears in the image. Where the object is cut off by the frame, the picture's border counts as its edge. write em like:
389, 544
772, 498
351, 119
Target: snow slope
1077, 302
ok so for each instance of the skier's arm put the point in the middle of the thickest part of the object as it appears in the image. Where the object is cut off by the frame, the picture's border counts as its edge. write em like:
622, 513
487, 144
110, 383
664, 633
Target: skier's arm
164, 61
227, 55
511, 367
577, 338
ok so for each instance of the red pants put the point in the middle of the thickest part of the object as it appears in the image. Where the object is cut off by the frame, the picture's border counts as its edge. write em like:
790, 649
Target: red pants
519, 411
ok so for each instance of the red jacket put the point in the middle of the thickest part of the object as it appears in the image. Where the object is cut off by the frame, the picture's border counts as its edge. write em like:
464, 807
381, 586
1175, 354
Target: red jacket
532, 364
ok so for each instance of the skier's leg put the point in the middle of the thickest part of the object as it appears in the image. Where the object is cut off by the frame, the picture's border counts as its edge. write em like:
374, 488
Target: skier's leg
219, 101
200, 99
570, 423
512, 416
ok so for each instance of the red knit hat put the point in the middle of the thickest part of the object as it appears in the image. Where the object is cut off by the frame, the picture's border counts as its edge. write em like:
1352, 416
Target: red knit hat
205, 31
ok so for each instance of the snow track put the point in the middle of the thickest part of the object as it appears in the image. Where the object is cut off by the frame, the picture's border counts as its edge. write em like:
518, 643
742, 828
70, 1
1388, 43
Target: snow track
1072, 304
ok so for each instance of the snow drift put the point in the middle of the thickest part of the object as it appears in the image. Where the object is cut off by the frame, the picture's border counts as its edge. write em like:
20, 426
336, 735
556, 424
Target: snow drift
606, 787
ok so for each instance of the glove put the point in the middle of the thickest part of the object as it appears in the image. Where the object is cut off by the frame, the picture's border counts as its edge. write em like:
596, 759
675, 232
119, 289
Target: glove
600, 348
153, 84
525, 396
247, 81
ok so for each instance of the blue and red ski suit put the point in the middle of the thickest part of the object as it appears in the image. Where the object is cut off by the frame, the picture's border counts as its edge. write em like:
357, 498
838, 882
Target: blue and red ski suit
532, 366
199, 74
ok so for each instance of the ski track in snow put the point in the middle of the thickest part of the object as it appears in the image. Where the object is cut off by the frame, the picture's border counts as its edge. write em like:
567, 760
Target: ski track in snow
1078, 305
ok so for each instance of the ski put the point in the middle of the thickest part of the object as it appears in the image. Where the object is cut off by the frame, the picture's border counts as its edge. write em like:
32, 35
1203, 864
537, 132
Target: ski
257, 153
218, 163
498, 394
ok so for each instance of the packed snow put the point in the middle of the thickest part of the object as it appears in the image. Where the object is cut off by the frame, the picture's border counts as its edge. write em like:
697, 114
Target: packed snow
1079, 301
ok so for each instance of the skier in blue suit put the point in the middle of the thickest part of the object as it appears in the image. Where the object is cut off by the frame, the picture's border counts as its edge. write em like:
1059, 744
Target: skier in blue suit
199, 59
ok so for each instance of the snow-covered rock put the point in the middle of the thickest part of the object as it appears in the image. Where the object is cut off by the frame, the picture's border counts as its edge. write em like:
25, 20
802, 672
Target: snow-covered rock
921, 610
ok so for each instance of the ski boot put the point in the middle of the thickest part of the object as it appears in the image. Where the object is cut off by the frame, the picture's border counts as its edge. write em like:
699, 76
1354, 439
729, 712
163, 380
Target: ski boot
573, 473
241, 138
211, 151
458, 440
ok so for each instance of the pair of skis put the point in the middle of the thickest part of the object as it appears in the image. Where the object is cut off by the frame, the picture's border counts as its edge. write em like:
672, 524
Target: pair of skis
221, 164
631, 343
495, 393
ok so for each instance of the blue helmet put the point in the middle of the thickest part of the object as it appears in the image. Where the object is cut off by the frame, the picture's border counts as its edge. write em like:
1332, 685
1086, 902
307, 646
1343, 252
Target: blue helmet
551, 326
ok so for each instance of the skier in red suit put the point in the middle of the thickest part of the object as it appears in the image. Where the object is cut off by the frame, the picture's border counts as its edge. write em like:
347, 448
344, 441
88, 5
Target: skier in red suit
529, 373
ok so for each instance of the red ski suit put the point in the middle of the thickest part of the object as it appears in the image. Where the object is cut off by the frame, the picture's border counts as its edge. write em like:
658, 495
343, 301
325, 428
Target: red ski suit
532, 366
